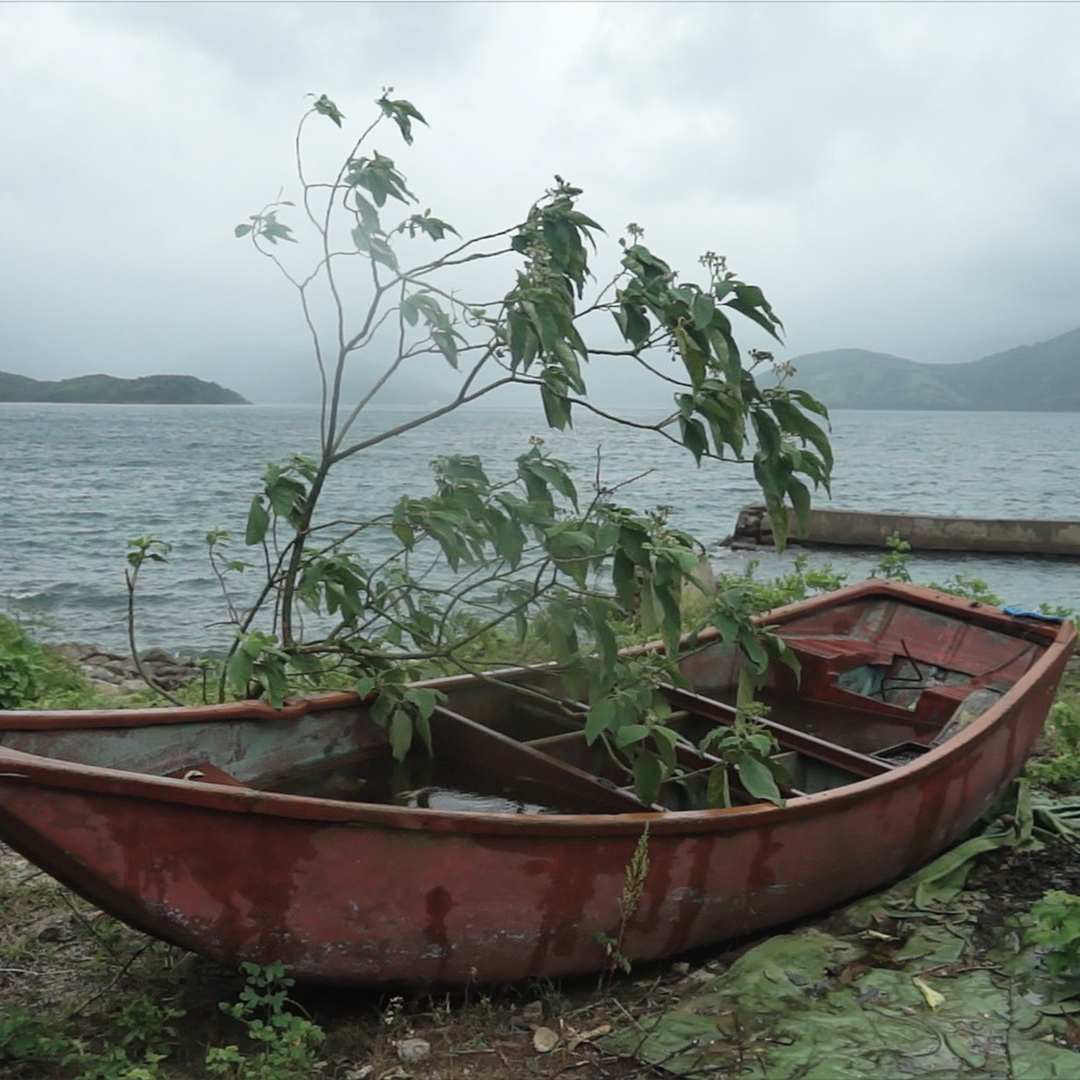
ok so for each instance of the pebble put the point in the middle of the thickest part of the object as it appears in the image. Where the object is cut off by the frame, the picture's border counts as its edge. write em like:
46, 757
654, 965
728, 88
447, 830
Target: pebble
409, 1050
544, 1040
533, 1013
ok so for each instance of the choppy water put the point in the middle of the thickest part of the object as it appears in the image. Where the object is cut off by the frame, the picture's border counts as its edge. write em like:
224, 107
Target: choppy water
77, 481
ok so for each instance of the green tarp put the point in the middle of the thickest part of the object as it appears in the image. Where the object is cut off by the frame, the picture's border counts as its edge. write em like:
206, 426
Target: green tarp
917, 999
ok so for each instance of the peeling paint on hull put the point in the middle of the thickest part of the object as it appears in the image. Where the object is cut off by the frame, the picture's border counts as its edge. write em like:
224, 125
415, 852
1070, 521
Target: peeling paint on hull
352, 892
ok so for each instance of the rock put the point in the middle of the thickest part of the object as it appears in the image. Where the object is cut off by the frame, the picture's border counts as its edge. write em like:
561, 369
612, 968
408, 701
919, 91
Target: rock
533, 1013
51, 928
545, 1040
409, 1050
157, 656
100, 686
97, 658
71, 651
98, 674
122, 668
115, 673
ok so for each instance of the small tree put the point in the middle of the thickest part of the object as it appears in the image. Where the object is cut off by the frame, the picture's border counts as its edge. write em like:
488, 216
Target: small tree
528, 554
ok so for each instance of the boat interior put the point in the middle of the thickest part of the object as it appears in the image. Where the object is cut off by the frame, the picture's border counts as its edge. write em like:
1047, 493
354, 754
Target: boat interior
879, 685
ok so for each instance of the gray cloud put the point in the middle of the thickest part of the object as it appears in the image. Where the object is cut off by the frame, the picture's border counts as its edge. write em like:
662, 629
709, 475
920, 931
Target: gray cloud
899, 177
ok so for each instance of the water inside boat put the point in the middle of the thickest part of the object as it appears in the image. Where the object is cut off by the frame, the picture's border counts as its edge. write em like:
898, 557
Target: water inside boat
421, 781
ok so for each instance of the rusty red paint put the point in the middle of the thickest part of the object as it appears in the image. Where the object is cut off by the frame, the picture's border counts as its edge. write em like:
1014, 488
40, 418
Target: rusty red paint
354, 892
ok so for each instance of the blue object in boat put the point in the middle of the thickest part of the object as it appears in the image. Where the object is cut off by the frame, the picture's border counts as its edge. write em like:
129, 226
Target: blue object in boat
1021, 613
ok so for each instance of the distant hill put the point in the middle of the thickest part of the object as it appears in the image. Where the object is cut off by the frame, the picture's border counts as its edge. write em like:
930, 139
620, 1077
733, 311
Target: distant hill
105, 389
1030, 378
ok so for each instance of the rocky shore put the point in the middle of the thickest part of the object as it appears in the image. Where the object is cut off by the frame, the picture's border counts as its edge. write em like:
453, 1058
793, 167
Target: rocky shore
113, 673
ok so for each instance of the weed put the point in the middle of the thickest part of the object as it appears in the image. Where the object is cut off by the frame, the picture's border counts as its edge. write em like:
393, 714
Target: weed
893, 566
758, 596
1057, 927
29, 1038
22, 663
36, 676
637, 870
1060, 768
285, 1041
140, 1038
970, 588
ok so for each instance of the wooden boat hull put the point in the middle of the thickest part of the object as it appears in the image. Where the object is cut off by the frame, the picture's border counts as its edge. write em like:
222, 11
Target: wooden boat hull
350, 892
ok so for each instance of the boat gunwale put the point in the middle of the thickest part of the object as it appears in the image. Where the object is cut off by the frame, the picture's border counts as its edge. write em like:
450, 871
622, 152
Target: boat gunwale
984, 615
21, 767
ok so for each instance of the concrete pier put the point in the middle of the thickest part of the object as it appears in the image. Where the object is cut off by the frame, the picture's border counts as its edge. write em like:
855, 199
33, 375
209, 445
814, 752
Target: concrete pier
924, 532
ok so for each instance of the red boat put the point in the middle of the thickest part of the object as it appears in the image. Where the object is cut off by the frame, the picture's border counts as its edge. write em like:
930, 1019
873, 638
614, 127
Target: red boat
246, 833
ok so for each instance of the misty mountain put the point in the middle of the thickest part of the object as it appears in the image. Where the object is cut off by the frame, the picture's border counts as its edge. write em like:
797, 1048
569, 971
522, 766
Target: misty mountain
106, 389
1030, 378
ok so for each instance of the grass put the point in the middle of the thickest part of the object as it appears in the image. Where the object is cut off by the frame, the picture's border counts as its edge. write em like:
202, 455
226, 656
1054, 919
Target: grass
83, 997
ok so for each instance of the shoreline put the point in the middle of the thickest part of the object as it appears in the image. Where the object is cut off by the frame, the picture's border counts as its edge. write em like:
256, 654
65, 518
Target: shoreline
117, 673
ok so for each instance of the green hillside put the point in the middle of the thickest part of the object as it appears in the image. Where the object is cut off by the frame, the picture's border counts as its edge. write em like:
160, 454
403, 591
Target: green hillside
105, 389
1031, 378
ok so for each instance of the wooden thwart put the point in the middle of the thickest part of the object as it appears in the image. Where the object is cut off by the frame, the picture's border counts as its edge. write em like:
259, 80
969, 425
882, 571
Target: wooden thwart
821, 749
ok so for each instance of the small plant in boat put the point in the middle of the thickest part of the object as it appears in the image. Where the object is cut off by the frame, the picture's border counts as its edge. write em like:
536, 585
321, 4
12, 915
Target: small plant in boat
419, 587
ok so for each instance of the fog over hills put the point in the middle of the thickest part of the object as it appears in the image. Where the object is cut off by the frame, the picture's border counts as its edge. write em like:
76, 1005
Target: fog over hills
1029, 378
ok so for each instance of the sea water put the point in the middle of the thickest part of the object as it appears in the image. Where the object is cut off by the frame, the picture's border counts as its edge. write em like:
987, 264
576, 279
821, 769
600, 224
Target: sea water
79, 481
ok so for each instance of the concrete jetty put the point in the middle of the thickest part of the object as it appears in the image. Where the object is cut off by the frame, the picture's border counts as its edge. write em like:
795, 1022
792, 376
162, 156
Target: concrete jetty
924, 532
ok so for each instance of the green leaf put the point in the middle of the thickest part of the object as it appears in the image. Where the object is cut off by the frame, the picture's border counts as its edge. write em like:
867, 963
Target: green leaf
369, 219
719, 791
241, 230
629, 734
257, 523
800, 500
402, 113
758, 779
446, 344
552, 472
423, 700
325, 107
694, 438
238, 671
286, 495
401, 733
509, 541
601, 717
702, 310
383, 253
648, 776
404, 534
795, 422
624, 578
556, 408
695, 361
633, 323
753, 650
423, 729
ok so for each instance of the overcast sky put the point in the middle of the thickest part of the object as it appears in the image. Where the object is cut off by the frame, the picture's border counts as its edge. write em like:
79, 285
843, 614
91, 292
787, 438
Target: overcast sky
898, 177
